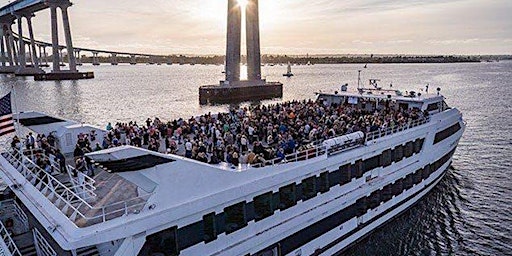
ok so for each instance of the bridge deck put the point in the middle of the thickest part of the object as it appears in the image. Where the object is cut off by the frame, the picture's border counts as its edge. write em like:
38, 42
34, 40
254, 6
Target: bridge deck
20, 6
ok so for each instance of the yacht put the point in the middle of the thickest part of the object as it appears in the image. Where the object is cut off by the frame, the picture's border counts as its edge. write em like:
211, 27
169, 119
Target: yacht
317, 201
288, 71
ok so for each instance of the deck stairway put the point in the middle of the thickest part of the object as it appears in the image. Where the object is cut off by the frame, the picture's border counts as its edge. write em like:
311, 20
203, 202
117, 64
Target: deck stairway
88, 251
61, 192
29, 250
77, 197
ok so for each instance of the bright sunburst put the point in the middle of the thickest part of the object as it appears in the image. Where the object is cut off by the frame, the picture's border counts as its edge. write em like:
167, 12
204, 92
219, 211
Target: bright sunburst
243, 3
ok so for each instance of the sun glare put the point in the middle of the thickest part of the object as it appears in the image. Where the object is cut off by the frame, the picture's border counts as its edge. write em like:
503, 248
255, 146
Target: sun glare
243, 3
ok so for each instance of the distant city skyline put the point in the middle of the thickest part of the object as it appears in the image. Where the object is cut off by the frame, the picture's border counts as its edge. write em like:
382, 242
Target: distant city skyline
462, 27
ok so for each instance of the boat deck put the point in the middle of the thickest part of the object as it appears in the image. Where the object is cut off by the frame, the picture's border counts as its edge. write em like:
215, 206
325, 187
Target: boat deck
84, 200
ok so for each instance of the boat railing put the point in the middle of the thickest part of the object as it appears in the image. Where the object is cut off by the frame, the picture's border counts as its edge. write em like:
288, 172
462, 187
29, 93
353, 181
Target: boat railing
42, 246
81, 181
74, 205
392, 130
9, 243
309, 153
14, 209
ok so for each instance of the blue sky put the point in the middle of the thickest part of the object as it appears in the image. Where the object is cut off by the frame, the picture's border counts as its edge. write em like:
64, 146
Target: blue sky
295, 26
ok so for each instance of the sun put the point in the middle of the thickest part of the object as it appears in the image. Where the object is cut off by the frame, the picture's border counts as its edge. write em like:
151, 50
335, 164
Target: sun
243, 3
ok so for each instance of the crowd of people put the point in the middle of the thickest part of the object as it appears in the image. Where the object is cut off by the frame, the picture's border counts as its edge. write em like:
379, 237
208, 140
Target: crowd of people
253, 134
245, 135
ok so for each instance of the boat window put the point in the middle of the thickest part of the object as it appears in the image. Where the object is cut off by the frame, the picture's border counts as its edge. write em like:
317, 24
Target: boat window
334, 178
272, 251
408, 181
433, 168
425, 172
440, 136
398, 153
398, 187
308, 188
385, 158
417, 176
357, 169
346, 176
371, 163
409, 147
162, 243
387, 192
375, 199
235, 217
209, 227
433, 106
362, 206
263, 206
418, 145
324, 182
287, 197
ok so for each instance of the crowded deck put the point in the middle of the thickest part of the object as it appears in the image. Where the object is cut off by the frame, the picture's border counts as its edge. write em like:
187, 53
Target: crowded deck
256, 134
90, 189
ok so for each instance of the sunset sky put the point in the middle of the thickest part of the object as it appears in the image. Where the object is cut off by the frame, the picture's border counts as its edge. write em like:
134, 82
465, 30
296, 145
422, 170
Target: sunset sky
294, 26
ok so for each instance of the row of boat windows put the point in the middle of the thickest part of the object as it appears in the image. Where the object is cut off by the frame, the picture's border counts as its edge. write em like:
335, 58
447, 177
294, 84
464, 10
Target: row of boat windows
440, 136
236, 217
291, 243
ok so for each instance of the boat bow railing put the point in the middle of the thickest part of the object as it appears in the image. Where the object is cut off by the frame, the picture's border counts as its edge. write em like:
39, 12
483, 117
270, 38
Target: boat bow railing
392, 130
76, 206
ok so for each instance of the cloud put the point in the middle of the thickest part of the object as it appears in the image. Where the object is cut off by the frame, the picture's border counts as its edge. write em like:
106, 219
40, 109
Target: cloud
293, 26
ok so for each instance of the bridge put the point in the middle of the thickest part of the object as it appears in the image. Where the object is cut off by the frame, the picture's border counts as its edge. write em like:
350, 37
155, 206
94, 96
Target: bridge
23, 55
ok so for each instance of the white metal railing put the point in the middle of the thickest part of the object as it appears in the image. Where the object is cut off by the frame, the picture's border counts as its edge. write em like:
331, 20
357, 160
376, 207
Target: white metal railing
309, 153
392, 130
43, 248
74, 205
13, 207
82, 182
9, 243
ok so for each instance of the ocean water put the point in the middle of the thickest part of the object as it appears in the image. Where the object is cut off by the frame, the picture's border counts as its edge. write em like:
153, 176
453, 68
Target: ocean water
468, 213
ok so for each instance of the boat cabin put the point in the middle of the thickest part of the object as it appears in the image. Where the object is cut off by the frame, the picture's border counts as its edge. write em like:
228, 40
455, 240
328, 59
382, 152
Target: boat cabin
378, 99
66, 132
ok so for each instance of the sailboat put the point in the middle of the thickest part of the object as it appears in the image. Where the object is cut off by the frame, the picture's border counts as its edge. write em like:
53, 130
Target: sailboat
289, 71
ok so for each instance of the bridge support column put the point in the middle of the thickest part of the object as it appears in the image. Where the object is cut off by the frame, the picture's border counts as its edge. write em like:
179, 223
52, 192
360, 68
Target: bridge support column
21, 46
95, 60
2, 46
234, 37
133, 60
69, 41
55, 39
45, 56
13, 47
253, 41
35, 61
114, 59
9, 43
78, 57
61, 57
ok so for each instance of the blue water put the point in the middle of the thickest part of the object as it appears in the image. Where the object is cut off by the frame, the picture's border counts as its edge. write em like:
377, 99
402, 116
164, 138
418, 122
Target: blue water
468, 213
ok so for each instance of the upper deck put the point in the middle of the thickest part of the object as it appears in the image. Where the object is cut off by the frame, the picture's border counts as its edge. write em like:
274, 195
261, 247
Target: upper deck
123, 189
